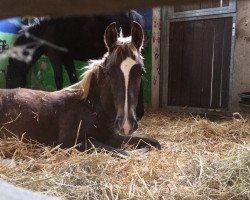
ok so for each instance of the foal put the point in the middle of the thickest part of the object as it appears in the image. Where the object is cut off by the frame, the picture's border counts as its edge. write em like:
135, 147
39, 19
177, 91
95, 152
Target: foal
99, 110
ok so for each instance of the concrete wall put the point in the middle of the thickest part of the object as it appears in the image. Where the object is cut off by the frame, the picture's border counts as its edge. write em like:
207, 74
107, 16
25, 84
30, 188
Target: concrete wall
241, 73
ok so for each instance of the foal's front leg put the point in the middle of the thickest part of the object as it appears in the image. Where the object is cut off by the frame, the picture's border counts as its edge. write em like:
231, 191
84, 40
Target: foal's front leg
100, 145
117, 140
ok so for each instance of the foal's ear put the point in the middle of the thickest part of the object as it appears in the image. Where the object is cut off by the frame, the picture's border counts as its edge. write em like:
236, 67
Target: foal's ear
137, 35
111, 35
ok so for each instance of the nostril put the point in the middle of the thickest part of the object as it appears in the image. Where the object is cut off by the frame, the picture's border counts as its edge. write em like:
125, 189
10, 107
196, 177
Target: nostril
118, 124
135, 125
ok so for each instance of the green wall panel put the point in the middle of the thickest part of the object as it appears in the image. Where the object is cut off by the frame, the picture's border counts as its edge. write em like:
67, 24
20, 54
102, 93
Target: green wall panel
9, 37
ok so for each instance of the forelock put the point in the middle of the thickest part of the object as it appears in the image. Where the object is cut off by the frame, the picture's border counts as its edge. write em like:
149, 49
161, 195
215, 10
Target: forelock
123, 49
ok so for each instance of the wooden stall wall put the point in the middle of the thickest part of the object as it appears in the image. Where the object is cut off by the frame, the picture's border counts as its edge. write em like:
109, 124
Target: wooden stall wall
199, 63
197, 56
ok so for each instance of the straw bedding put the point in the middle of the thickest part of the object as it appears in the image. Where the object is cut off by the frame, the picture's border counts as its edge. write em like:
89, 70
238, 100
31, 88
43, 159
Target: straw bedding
200, 159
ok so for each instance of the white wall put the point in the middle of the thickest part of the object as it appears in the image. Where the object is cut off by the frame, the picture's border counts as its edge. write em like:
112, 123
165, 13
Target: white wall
241, 73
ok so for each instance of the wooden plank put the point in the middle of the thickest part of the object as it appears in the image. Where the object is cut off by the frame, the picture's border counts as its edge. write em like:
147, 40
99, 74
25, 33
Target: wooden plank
222, 56
187, 61
207, 61
10, 8
175, 63
227, 37
205, 5
219, 29
196, 86
171, 79
225, 3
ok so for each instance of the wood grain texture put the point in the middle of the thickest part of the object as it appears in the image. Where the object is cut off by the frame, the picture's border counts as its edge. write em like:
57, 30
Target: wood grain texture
12, 8
199, 63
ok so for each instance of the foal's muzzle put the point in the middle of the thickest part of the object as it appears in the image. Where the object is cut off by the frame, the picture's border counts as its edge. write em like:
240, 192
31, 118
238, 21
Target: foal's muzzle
126, 126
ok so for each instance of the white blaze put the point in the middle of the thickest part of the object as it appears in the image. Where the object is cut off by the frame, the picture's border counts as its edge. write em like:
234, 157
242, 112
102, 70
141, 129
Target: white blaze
126, 66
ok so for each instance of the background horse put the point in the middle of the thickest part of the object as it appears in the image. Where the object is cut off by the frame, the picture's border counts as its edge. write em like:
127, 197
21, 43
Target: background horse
63, 40
89, 112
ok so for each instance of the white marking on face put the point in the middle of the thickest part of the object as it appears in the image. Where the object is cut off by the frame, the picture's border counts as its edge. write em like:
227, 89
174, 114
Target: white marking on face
126, 66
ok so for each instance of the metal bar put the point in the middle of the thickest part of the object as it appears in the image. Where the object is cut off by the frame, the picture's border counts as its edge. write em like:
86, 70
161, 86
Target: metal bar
203, 12
203, 17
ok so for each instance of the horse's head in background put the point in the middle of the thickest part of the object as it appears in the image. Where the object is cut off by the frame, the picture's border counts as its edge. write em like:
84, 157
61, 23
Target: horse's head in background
119, 77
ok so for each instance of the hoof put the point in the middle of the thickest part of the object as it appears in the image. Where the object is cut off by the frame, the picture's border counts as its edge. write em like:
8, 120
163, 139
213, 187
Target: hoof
149, 142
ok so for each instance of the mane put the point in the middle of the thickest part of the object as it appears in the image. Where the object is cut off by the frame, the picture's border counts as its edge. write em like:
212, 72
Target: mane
83, 86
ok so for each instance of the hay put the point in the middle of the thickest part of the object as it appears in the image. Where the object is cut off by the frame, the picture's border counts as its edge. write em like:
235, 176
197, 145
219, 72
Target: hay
200, 159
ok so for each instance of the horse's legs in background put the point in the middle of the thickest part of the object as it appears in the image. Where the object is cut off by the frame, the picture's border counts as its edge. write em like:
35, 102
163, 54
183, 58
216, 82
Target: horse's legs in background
16, 75
56, 60
58, 75
70, 68
117, 140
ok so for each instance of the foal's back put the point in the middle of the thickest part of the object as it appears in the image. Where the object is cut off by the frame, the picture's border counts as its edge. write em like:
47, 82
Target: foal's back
31, 112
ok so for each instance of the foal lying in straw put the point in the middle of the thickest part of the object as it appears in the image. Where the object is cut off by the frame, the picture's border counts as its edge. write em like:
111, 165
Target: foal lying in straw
99, 110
